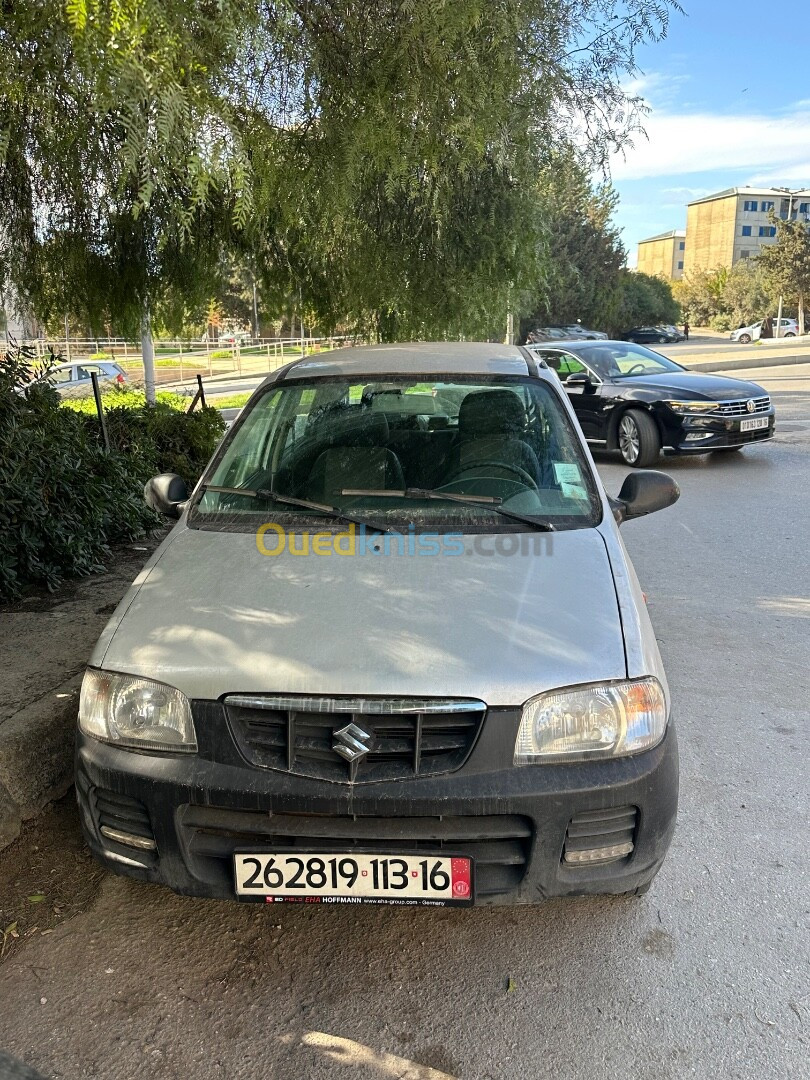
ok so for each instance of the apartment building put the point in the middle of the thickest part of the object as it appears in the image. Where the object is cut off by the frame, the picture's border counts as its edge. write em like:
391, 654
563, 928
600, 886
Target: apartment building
735, 224
663, 255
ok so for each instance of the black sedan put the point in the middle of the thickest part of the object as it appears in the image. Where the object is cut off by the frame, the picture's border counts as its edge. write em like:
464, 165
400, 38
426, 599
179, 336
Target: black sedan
653, 335
634, 400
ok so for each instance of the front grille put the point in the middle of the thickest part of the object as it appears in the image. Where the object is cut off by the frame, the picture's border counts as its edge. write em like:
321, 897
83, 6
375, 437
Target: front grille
499, 844
123, 819
595, 831
354, 740
740, 407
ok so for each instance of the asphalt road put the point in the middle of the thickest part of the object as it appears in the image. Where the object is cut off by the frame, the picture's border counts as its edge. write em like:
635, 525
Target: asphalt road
706, 976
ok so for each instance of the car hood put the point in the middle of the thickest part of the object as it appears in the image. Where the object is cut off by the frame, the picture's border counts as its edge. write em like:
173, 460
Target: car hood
213, 616
696, 384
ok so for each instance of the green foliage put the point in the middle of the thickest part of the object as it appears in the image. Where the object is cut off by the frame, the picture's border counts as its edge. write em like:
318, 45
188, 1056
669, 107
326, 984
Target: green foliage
786, 264
642, 300
722, 323
233, 401
725, 298
66, 501
379, 161
746, 296
582, 254
124, 397
157, 438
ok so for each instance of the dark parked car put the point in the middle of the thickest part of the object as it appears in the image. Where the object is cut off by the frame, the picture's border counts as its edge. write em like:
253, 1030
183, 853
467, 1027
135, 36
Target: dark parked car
632, 399
653, 335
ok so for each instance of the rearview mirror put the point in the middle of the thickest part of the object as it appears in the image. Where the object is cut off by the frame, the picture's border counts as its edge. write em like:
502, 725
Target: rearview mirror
643, 493
166, 493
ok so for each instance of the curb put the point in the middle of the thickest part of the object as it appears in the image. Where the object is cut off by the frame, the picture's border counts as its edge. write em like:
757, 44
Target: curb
719, 366
36, 756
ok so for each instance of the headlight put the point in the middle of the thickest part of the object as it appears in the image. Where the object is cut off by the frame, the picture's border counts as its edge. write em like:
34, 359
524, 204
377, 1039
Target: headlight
606, 720
138, 713
687, 408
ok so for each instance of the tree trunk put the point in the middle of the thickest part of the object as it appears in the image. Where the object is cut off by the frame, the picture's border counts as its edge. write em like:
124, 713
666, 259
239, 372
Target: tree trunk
801, 314
148, 353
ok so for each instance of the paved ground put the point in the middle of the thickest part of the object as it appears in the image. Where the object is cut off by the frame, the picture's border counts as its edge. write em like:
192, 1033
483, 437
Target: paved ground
707, 976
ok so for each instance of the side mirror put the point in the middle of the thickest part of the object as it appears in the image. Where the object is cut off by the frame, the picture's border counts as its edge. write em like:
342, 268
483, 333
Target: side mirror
643, 493
167, 494
579, 378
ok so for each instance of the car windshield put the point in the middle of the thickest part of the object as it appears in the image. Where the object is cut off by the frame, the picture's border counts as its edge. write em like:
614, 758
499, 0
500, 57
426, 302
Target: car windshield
485, 453
622, 360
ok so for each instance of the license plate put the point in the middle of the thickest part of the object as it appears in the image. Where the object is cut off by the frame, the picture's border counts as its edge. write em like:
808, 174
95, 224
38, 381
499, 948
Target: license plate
754, 424
358, 878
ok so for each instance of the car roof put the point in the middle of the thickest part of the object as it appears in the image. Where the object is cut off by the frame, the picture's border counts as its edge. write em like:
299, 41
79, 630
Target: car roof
414, 358
579, 343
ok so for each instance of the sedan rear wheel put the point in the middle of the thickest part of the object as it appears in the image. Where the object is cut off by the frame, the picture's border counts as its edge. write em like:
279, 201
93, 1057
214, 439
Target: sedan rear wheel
639, 440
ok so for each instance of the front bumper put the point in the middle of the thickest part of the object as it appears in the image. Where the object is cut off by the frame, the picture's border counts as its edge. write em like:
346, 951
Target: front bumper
716, 433
513, 821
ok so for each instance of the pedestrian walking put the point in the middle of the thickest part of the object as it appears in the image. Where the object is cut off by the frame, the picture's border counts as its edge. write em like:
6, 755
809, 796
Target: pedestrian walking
686, 329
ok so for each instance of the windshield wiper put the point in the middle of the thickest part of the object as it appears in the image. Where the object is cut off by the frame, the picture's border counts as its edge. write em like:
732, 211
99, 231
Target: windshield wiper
307, 504
487, 502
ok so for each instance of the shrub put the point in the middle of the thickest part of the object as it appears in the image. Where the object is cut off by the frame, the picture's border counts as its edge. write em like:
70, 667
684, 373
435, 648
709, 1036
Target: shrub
65, 500
125, 397
722, 322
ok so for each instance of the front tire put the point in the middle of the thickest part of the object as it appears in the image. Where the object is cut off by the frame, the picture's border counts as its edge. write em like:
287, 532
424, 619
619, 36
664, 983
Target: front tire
744, 339
639, 439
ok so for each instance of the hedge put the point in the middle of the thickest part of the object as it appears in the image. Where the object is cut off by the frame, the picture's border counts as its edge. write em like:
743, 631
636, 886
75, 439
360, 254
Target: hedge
65, 501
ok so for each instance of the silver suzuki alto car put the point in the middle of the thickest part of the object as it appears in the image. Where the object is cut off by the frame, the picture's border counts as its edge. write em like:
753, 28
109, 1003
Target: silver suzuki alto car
393, 651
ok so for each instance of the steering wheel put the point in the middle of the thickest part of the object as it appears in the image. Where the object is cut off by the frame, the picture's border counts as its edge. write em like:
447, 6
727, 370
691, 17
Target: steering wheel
516, 469
634, 368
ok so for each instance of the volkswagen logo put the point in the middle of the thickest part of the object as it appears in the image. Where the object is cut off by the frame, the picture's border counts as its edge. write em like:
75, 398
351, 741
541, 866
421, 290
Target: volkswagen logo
750, 406
351, 742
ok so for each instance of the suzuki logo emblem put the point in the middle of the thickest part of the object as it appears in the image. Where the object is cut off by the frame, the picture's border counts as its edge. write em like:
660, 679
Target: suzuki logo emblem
351, 742
750, 405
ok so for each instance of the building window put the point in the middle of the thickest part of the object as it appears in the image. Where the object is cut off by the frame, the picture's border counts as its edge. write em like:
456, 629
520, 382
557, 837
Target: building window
682, 246
766, 206
746, 230
744, 254
750, 205
804, 208
767, 230
680, 265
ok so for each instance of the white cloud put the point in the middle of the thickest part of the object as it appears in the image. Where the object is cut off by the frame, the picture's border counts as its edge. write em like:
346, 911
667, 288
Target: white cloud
800, 174
678, 196
699, 142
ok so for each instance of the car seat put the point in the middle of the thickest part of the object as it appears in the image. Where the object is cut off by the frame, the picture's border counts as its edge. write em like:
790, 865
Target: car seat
357, 457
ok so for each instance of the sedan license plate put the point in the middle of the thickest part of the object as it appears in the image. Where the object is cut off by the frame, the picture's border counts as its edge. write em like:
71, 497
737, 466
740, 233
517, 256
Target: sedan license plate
357, 878
754, 424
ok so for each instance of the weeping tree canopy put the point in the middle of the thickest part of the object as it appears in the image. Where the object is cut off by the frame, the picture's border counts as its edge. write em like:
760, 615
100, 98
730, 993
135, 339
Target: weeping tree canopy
786, 265
379, 159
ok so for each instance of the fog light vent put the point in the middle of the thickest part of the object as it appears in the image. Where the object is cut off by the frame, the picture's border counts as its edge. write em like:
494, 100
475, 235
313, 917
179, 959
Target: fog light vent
124, 820
600, 836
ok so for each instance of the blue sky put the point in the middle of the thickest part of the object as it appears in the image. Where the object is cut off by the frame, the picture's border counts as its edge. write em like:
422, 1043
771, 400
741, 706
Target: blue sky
729, 97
